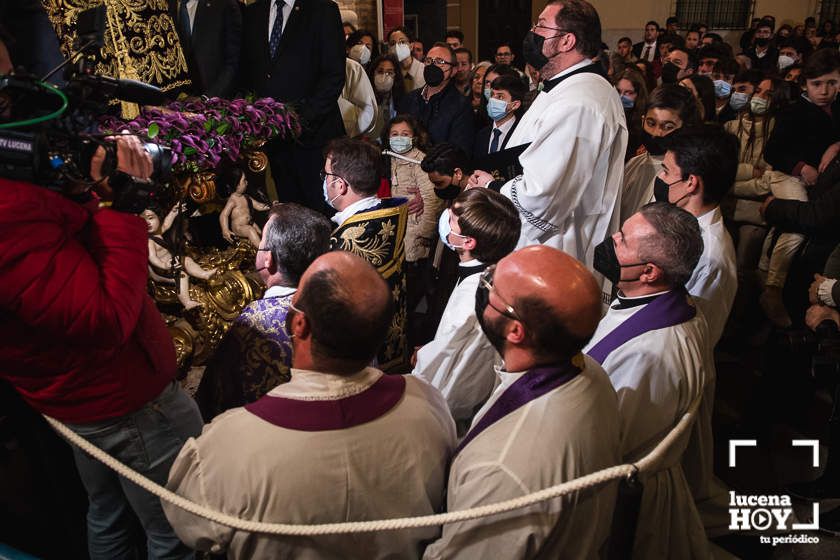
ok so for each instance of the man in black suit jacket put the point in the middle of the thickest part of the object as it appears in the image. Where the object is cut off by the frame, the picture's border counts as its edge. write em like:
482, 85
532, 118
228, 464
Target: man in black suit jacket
509, 94
650, 41
307, 72
210, 32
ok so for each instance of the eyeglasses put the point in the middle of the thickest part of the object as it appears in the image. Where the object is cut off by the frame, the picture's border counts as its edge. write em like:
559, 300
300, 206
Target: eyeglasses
536, 26
324, 174
289, 314
504, 54
436, 61
485, 282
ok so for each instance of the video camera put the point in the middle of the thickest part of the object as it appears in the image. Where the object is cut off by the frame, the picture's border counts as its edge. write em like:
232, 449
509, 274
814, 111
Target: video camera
53, 132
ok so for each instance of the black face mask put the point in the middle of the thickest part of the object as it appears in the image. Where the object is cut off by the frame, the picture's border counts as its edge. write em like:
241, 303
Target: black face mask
762, 41
669, 73
448, 193
482, 300
660, 190
655, 145
433, 75
606, 262
532, 47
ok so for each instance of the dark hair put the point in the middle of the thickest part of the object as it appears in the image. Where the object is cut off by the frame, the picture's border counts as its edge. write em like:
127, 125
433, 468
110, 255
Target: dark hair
624, 40
341, 328
455, 34
753, 77
675, 41
503, 44
357, 162
706, 91
717, 40
766, 23
672, 19
711, 153
691, 60
546, 332
296, 236
445, 158
580, 18
463, 50
677, 245
421, 137
676, 98
442, 45
398, 91
356, 37
513, 85
781, 97
822, 62
647, 74
402, 29
634, 77
491, 219
714, 50
727, 66
790, 42
651, 22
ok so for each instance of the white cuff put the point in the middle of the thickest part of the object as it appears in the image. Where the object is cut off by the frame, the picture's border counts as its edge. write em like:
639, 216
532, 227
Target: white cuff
824, 292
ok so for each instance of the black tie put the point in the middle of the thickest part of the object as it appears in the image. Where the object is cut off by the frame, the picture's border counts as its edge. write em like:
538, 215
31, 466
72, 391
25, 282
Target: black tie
494, 144
276, 30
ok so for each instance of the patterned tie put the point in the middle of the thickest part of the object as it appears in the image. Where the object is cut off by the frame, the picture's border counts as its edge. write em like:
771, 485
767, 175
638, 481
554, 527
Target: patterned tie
646, 53
184, 19
277, 30
494, 144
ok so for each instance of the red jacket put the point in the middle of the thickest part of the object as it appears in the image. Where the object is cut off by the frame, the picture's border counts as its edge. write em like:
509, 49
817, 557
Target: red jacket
80, 338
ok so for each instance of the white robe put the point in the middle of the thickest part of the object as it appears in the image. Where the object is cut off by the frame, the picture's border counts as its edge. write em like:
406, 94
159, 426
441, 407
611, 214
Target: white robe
569, 432
459, 361
715, 280
570, 187
639, 174
358, 101
657, 375
392, 466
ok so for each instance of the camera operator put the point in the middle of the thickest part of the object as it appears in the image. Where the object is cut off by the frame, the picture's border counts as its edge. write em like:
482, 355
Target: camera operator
81, 341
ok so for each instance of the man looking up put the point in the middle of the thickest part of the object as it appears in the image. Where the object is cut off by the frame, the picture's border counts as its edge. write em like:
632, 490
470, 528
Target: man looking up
338, 431
553, 417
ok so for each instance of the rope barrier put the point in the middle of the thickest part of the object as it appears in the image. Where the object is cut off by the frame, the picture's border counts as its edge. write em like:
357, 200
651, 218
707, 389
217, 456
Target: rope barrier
646, 464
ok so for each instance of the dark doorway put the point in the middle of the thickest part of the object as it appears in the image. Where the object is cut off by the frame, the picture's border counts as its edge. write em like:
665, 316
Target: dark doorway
503, 20
426, 20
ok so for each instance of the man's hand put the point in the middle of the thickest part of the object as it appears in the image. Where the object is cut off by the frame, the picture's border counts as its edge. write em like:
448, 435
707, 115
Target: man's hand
828, 156
415, 203
814, 290
816, 314
132, 158
479, 179
809, 175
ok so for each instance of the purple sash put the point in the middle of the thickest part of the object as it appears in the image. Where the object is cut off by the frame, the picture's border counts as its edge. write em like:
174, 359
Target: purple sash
317, 416
532, 385
667, 310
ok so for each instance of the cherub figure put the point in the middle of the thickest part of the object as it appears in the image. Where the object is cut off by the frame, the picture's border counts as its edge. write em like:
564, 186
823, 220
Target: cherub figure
237, 216
160, 258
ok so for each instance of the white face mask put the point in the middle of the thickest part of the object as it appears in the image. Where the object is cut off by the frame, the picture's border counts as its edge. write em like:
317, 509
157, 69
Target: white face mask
402, 50
445, 230
785, 61
383, 83
400, 144
361, 54
327, 198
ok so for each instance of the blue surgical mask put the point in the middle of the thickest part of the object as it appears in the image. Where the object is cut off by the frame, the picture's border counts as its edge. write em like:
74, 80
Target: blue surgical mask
327, 198
496, 108
722, 89
487, 93
739, 100
627, 102
445, 230
400, 144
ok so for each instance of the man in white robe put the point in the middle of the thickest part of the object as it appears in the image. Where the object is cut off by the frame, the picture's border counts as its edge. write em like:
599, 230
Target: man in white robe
357, 102
339, 442
554, 418
653, 345
483, 227
569, 190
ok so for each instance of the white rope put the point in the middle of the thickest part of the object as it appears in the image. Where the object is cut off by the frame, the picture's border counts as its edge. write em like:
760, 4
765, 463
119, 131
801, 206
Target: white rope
648, 463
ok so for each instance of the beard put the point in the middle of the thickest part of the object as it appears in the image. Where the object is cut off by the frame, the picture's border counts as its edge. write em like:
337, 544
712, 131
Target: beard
493, 329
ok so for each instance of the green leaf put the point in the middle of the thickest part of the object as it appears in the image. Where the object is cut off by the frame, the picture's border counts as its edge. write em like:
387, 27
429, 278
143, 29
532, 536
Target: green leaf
222, 128
208, 126
153, 130
211, 142
190, 151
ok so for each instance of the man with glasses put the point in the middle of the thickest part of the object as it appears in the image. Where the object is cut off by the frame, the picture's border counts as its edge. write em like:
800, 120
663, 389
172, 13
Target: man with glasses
292, 238
504, 54
653, 343
339, 442
481, 226
576, 136
369, 227
552, 418
442, 110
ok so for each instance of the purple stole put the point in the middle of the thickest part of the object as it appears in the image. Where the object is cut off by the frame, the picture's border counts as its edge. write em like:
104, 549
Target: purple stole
338, 414
532, 385
666, 310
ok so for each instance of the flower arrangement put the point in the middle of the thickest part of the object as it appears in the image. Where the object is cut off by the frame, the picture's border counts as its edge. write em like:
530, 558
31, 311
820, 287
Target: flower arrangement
202, 132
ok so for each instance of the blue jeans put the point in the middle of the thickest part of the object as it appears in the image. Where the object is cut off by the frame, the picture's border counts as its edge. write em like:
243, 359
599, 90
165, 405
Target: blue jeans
147, 440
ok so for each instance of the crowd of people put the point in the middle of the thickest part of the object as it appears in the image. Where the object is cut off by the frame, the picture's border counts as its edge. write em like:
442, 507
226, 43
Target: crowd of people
437, 334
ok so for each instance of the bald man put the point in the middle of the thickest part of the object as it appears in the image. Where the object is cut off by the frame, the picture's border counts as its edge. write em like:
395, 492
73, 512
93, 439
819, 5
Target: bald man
553, 418
339, 442
653, 343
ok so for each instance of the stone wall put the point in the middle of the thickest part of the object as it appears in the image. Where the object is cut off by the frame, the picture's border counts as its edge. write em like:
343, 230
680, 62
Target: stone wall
365, 9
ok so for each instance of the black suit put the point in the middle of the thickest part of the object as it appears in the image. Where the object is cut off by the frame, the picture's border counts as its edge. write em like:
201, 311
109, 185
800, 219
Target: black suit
639, 47
482, 139
307, 72
213, 48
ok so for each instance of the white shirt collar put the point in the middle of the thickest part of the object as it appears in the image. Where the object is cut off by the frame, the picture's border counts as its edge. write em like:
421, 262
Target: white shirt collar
581, 64
471, 262
358, 206
317, 386
709, 217
505, 128
278, 291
